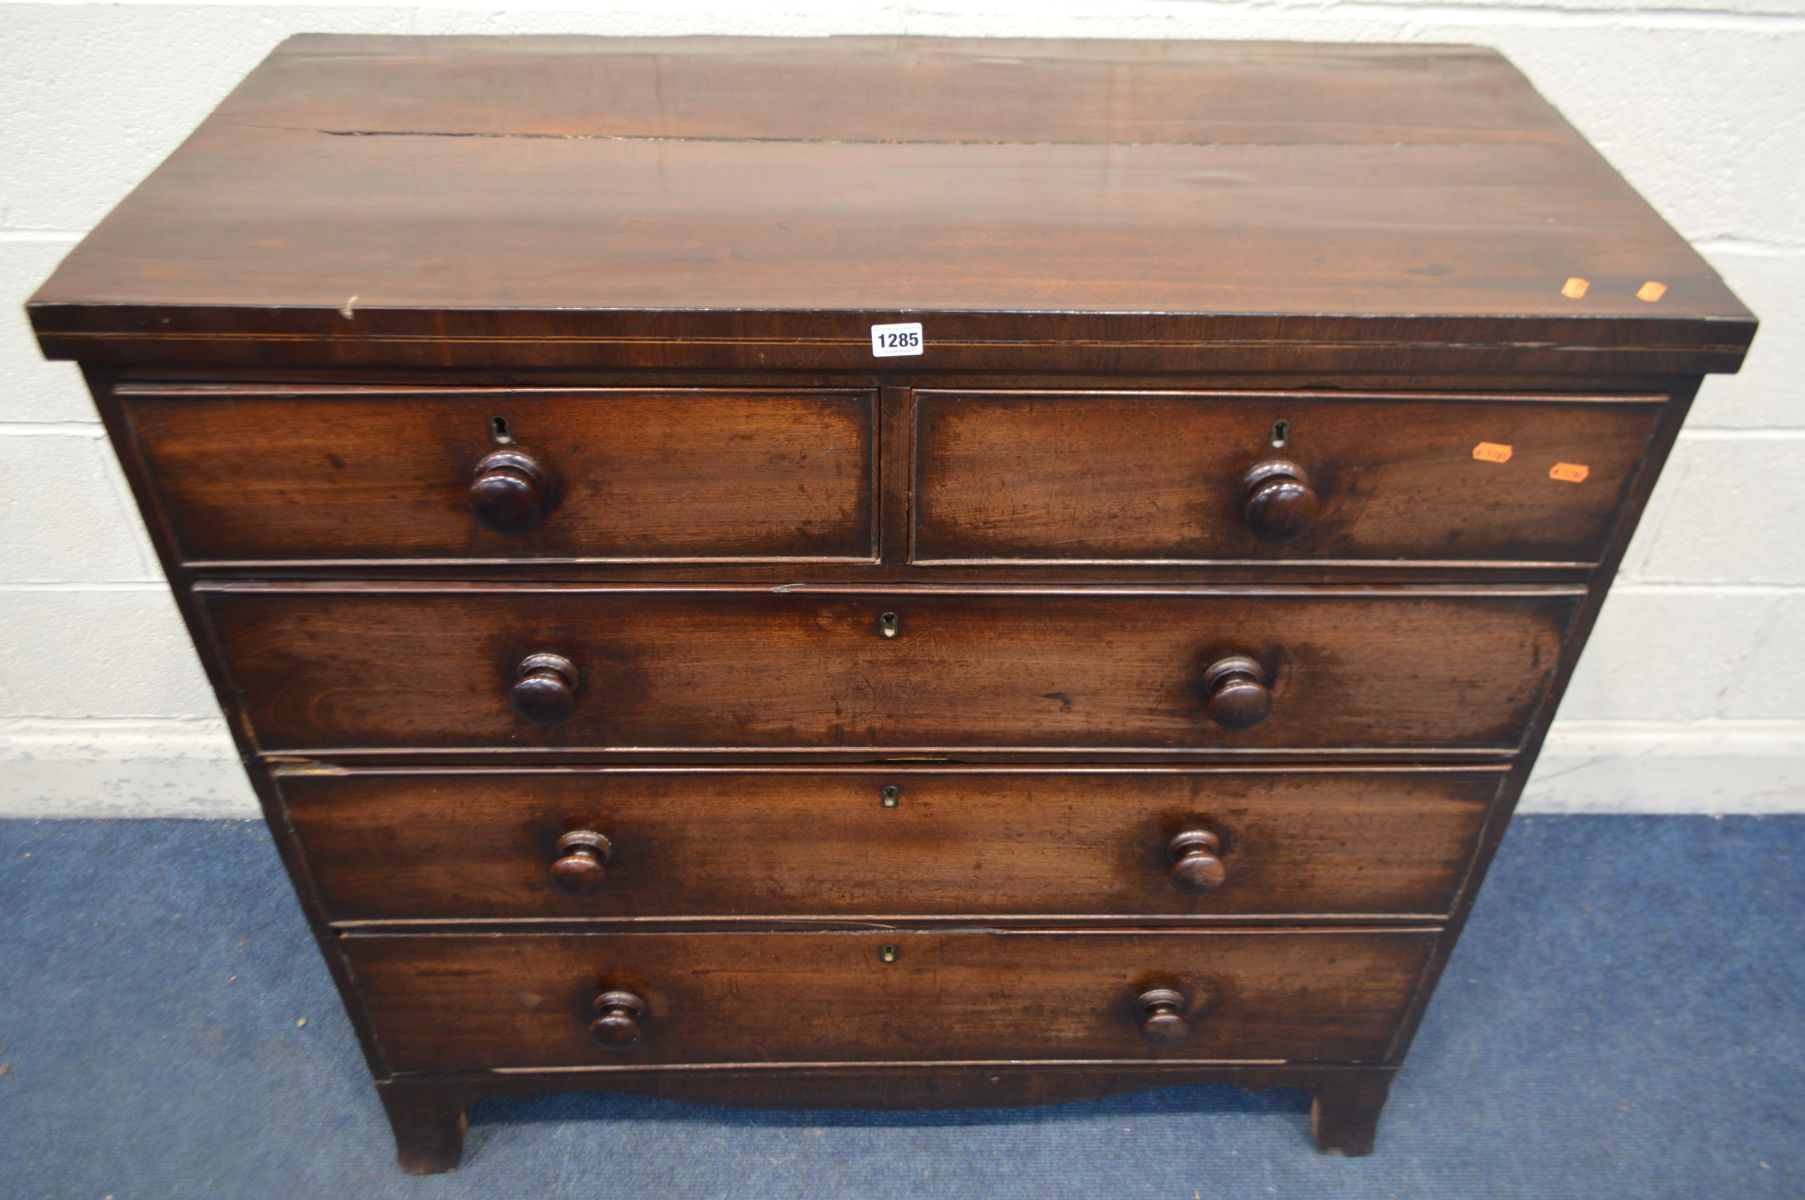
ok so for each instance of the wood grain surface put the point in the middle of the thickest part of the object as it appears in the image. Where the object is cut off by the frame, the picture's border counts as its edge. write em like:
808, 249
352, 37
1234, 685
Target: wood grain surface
804, 669
592, 200
472, 1001
1157, 477
429, 1119
369, 473
1130, 689
775, 844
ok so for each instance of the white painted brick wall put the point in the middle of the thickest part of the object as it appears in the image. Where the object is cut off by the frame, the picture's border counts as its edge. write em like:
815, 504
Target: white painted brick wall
1691, 697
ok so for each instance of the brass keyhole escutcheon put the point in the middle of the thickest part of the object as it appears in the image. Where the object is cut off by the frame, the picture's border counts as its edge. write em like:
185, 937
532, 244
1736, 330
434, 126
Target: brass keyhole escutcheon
889, 624
887, 953
891, 796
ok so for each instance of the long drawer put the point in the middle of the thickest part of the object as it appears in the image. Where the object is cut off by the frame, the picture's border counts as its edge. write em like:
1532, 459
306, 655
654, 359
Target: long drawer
403, 666
351, 474
1171, 477
778, 843
478, 1001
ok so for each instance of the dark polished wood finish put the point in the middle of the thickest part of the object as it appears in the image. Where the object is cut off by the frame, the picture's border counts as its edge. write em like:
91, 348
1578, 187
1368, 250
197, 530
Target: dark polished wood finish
545, 688
1196, 856
649, 689
1164, 1015
463, 1002
1344, 1115
512, 491
429, 1125
700, 202
1277, 501
619, 1020
893, 844
1138, 477
581, 865
439, 1100
589, 474
806, 669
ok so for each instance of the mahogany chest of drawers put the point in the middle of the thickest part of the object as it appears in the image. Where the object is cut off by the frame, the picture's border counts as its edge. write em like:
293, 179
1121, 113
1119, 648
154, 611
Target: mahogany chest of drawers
917, 573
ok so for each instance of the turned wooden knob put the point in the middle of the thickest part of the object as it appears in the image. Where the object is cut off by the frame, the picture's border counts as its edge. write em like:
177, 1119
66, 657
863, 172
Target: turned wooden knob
1277, 500
545, 688
1196, 861
511, 492
1235, 692
617, 1020
1163, 1016
582, 863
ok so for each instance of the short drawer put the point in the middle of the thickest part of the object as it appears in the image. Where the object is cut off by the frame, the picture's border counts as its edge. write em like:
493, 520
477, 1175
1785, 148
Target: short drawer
398, 666
476, 1001
908, 842
1237, 477
591, 475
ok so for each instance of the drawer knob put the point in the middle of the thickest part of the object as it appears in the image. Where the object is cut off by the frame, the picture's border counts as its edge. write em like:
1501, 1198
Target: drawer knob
1235, 692
545, 688
617, 1020
582, 863
1196, 861
1163, 1018
1277, 500
511, 492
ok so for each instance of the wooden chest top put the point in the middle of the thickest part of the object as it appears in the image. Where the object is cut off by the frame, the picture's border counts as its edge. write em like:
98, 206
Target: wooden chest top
761, 202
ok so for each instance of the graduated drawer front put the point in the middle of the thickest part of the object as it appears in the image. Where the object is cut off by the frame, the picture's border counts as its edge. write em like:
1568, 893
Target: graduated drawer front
1158, 477
354, 474
738, 668
781, 843
475, 1001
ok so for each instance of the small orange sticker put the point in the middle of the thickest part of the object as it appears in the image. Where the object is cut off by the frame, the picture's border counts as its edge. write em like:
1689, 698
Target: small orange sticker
1651, 291
1569, 472
1491, 452
1574, 288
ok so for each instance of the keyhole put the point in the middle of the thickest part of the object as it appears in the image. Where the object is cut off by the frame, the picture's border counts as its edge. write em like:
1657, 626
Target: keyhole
1281, 434
890, 796
888, 954
498, 431
889, 624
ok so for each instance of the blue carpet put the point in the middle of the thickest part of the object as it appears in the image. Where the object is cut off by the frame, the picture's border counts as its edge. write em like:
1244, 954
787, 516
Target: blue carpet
1622, 1019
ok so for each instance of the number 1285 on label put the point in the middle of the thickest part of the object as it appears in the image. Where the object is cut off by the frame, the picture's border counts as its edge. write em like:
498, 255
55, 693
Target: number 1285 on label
890, 341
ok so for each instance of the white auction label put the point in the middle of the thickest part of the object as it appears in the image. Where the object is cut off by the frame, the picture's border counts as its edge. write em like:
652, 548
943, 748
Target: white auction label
889, 341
